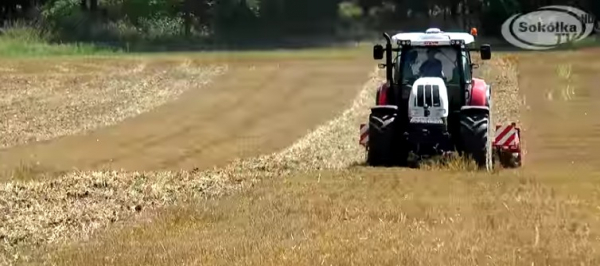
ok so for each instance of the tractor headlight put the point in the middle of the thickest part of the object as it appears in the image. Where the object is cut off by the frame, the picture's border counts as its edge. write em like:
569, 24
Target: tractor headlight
404, 42
456, 42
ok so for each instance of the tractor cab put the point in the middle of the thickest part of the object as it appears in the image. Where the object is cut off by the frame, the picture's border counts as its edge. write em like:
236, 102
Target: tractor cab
431, 54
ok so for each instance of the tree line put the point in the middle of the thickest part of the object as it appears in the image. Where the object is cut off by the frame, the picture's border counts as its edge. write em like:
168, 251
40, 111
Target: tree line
164, 19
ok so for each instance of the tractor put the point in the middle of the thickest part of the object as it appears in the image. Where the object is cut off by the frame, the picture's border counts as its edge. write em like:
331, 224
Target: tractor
431, 105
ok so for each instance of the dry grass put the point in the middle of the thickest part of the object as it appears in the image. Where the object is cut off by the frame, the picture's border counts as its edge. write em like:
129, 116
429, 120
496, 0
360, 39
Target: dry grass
566, 90
451, 163
501, 73
31, 172
563, 130
354, 215
42, 100
365, 217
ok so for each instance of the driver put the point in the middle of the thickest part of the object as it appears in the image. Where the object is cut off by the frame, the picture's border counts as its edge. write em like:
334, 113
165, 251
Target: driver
432, 67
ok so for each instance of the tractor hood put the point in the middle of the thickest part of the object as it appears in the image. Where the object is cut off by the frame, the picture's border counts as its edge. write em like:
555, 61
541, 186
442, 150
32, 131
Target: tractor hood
428, 101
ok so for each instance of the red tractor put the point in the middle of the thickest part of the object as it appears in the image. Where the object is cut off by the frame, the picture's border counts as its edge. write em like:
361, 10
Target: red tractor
432, 105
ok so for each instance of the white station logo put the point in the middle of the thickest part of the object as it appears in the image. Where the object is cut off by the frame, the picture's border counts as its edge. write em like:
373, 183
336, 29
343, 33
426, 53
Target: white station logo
548, 27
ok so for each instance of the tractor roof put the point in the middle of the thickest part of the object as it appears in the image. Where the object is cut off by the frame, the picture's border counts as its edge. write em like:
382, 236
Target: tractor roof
433, 37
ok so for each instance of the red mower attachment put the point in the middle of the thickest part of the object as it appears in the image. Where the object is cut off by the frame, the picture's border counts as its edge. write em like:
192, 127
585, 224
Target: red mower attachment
507, 145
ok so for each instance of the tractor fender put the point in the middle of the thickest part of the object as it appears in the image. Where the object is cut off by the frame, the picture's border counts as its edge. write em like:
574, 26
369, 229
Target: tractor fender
479, 94
382, 91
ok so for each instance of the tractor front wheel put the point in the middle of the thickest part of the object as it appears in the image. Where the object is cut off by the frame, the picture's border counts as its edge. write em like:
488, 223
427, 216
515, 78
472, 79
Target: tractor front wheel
474, 132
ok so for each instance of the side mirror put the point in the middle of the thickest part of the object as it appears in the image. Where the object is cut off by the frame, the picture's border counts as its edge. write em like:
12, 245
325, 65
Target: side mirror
485, 51
378, 52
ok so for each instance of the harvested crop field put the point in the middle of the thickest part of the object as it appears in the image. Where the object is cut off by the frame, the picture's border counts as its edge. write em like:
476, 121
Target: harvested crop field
256, 106
46, 100
312, 202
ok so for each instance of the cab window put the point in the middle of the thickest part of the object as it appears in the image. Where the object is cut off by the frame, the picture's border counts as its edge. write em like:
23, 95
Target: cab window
466, 66
397, 67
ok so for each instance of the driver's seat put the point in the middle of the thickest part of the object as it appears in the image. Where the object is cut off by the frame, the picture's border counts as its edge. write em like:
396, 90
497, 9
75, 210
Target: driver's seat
429, 72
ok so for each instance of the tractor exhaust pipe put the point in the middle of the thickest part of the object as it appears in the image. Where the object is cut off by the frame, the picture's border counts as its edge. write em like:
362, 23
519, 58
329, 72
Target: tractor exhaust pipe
388, 58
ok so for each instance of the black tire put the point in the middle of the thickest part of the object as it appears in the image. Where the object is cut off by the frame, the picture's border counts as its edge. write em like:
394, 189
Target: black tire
507, 160
474, 132
383, 138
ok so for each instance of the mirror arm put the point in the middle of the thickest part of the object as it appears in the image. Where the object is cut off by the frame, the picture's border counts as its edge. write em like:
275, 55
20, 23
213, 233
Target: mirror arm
388, 57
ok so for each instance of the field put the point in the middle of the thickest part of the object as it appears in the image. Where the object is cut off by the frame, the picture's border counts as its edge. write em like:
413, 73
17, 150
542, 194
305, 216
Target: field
253, 158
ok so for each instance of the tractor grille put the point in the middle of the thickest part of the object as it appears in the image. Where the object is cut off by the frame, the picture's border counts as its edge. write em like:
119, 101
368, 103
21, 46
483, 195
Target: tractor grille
428, 95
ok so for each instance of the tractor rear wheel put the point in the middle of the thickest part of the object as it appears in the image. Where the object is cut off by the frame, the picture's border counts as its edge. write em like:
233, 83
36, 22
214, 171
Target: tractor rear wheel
474, 132
383, 143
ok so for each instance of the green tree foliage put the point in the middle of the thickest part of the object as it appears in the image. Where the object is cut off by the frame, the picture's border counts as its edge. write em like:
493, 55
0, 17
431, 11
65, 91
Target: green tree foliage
155, 19
233, 17
351, 18
495, 12
295, 16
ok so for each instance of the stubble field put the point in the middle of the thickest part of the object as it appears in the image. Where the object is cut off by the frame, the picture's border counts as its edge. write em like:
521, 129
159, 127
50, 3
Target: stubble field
281, 131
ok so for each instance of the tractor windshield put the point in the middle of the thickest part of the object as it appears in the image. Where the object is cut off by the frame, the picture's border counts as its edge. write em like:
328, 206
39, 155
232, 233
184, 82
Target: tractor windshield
438, 61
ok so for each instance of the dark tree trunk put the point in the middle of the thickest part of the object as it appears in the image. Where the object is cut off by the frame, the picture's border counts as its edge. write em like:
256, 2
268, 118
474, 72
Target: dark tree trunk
93, 6
187, 7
